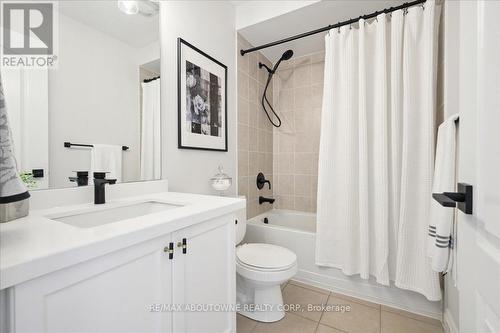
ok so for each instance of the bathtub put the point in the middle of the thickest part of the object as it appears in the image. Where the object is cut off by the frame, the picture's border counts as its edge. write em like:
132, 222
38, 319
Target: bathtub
296, 231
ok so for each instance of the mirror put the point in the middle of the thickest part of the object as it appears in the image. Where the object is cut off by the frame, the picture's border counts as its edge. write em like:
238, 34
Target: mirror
98, 110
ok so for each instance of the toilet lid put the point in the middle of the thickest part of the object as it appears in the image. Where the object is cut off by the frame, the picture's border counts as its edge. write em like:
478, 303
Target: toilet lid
265, 256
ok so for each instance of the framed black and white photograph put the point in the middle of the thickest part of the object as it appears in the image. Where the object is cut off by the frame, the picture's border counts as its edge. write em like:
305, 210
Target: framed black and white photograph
202, 94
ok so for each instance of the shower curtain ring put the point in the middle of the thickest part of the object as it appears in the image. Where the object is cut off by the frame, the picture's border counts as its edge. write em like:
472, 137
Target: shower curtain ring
350, 25
423, 7
405, 11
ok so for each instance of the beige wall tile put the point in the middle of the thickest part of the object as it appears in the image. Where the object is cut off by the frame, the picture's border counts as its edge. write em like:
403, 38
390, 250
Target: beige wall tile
303, 203
303, 97
268, 165
243, 186
243, 137
302, 145
303, 185
285, 143
304, 119
255, 137
286, 100
253, 64
243, 111
298, 88
317, 71
253, 164
252, 209
285, 184
253, 90
303, 163
285, 76
243, 163
254, 109
302, 75
262, 140
316, 97
285, 202
242, 85
285, 163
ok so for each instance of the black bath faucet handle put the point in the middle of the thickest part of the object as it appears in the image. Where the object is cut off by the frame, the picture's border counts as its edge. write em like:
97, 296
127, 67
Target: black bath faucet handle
261, 180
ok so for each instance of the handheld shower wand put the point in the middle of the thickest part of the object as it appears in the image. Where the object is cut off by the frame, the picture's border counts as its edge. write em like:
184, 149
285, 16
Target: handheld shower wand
286, 56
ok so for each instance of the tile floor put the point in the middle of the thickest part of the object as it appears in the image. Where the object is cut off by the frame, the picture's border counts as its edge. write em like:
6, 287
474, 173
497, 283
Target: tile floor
363, 317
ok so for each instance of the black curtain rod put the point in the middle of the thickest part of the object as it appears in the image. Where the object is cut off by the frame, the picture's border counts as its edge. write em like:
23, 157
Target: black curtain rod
338, 25
152, 79
69, 145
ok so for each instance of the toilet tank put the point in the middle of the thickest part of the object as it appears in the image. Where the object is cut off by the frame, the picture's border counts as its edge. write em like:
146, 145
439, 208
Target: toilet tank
240, 225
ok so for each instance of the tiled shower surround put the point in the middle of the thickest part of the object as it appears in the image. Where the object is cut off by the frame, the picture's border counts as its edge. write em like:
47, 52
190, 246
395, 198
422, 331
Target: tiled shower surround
298, 94
255, 133
288, 156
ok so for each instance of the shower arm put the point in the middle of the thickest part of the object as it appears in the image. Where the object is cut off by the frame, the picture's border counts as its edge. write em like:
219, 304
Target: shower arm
268, 69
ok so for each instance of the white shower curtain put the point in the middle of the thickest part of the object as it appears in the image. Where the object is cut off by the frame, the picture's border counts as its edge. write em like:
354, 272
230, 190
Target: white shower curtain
150, 131
377, 149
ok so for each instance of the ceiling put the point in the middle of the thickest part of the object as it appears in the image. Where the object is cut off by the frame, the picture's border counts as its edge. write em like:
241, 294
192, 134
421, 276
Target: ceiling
135, 30
308, 18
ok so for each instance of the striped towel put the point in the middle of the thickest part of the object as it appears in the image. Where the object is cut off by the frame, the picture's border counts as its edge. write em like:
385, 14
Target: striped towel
441, 218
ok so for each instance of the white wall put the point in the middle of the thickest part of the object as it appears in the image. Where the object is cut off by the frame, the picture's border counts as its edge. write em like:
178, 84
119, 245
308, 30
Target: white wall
93, 98
252, 12
210, 26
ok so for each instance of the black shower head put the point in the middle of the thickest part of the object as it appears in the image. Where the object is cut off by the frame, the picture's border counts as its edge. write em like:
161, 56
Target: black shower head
287, 55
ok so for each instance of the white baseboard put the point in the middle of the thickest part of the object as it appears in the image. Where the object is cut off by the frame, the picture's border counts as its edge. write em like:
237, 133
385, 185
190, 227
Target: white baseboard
388, 296
449, 323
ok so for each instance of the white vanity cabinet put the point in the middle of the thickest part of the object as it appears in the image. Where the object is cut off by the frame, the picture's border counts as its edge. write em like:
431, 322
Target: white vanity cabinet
130, 290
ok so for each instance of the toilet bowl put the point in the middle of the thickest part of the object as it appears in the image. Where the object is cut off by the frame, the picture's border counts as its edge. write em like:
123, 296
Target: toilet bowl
260, 271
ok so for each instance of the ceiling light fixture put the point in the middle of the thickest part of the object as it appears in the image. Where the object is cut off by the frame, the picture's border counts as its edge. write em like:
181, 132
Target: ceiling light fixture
129, 7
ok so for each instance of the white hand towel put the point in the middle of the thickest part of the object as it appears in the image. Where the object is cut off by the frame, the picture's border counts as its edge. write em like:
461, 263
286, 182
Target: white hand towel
441, 218
107, 158
12, 189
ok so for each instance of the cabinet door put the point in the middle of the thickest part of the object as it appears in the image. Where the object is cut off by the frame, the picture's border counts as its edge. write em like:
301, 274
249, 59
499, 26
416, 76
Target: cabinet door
112, 293
205, 277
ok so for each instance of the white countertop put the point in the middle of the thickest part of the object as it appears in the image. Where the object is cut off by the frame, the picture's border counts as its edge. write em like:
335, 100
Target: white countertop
35, 245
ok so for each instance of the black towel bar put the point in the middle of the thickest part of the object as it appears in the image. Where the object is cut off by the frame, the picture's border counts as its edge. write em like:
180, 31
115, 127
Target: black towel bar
69, 145
461, 199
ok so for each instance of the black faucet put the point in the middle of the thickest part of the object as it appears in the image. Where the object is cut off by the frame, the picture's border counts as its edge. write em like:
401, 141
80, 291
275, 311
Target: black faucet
261, 180
99, 188
81, 179
262, 200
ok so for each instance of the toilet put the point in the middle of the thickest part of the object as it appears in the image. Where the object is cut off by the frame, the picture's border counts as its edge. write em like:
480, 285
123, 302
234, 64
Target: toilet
260, 271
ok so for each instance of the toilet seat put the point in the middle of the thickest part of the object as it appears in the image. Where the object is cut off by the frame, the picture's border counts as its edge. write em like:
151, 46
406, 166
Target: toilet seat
265, 257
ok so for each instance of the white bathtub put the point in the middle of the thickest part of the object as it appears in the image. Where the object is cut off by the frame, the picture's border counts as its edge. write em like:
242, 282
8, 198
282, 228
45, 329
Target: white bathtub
297, 231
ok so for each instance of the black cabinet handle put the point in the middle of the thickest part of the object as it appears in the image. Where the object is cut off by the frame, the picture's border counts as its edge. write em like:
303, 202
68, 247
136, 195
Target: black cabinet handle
461, 199
170, 250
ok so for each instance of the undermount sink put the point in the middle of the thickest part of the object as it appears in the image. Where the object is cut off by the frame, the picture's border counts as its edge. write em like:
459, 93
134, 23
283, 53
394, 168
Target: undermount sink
95, 218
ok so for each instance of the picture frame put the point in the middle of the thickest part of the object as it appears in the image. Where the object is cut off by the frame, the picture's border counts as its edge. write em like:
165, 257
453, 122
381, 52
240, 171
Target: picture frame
202, 99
